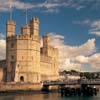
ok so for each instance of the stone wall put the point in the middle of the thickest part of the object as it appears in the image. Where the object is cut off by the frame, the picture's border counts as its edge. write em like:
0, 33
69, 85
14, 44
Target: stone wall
23, 86
2, 70
1, 74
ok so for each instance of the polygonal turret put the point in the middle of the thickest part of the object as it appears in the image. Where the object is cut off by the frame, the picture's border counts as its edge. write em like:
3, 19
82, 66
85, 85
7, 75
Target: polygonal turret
10, 28
46, 40
34, 26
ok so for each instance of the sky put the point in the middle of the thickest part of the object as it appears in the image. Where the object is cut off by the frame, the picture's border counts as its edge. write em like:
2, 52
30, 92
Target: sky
74, 27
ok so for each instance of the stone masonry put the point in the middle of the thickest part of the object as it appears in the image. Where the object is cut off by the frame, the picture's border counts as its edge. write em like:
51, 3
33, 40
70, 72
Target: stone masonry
26, 61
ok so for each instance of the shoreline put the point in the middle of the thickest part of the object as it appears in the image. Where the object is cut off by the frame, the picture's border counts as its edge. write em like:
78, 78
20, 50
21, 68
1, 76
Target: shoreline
24, 92
19, 92
20, 88
23, 88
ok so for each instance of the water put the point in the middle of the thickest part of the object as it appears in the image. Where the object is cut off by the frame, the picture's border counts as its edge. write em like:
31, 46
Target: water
50, 96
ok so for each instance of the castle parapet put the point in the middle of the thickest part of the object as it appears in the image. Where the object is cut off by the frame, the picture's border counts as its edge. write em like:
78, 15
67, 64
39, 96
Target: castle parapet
36, 38
46, 59
25, 29
46, 40
21, 36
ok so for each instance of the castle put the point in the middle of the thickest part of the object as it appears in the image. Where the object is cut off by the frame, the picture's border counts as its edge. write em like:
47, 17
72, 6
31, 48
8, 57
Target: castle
26, 61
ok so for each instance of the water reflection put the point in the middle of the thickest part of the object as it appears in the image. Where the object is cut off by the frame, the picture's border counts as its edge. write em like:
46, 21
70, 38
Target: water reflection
29, 97
46, 96
7, 97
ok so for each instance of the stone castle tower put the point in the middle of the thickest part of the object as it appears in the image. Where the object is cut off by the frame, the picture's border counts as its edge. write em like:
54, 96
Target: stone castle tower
26, 61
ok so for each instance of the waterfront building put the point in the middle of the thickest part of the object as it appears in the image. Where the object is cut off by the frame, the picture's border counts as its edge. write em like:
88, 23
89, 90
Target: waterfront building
26, 61
69, 75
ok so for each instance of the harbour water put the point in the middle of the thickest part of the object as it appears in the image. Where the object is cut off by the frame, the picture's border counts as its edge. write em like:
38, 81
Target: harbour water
47, 96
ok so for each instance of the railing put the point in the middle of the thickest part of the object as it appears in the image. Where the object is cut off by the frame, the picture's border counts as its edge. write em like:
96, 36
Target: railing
88, 82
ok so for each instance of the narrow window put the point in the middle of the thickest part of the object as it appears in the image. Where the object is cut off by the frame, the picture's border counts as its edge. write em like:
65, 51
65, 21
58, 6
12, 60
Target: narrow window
12, 57
12, 45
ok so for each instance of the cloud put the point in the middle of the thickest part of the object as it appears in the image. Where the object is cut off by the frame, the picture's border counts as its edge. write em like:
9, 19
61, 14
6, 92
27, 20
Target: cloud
67, 64
51, 10
70, 57
68, 54
5, 5
93, 60
94, 26
2, 47
2, 36
84, 22
95, 33
48, 6
90, 4
82, 59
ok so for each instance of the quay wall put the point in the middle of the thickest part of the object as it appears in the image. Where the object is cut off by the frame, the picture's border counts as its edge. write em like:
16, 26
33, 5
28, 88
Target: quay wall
34, 86
12, 87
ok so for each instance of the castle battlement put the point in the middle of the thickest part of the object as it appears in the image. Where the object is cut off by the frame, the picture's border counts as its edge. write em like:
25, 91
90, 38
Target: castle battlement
35, 19
29, 29
24, 37
10, 22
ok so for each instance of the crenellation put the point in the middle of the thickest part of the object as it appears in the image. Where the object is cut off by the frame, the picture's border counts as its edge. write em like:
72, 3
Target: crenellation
35, 19
21, 36
10, 22
11, 38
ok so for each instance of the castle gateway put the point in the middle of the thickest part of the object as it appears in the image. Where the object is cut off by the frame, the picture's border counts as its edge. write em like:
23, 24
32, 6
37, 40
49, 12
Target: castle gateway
25, 60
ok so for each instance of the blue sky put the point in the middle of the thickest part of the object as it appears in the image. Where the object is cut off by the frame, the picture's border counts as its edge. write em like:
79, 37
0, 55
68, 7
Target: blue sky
74, 26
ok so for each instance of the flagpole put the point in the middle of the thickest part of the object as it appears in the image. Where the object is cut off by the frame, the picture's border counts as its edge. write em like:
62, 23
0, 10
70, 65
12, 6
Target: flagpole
26, 14
10, 6
11, 13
